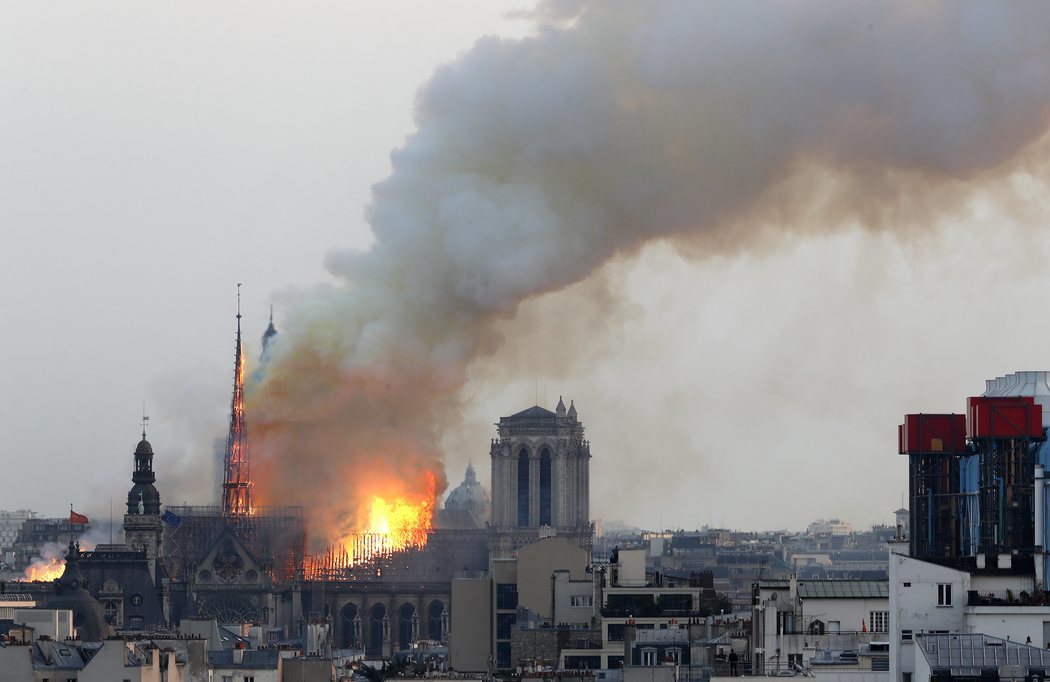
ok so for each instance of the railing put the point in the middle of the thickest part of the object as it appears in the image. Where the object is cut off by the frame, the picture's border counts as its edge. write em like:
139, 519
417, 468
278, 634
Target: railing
776, 668
16, 596
1005, 598
653, 611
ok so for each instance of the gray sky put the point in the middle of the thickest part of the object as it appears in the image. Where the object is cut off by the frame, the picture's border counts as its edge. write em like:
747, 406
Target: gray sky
150, 160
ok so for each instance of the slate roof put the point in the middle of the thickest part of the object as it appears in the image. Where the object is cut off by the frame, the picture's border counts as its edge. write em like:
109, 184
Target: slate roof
534, 412
844, 589
257, 659
966, 654
833, 589
63, 656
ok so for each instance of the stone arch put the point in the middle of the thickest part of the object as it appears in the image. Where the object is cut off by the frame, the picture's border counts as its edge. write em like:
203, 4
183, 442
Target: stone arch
350, 626
374, 641
406, 618
436, 620
523, 488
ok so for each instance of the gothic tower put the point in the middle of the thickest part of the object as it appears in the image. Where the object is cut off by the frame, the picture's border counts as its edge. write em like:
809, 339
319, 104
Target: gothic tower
540, 479
142, 524
237, 480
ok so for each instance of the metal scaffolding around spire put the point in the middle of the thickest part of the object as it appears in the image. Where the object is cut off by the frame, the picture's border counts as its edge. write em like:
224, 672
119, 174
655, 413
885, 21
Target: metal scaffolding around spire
237, 480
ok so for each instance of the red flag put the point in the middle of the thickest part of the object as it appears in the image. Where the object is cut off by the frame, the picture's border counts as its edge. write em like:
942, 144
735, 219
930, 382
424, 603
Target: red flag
77, 518
863, 625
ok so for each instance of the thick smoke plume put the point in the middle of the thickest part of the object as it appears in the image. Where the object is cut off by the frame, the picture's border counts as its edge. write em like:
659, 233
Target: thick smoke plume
536, 161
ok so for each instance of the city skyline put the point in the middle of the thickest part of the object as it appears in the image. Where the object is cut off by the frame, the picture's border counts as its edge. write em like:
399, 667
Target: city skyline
716, 381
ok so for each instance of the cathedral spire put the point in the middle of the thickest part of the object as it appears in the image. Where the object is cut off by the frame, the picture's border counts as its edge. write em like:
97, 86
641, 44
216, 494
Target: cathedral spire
237, 482
267, 337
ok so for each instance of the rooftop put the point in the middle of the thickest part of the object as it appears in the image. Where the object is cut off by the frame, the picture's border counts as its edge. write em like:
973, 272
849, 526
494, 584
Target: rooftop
968, 654
534, 412
833, 589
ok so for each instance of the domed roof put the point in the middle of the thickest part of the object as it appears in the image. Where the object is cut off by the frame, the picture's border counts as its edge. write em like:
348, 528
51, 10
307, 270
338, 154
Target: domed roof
143, 448
70, 592
469, 495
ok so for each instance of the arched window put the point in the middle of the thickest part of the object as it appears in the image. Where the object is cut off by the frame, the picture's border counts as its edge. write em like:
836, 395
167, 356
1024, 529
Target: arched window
348, 615
404, 626
375, 630
435, 631
523, 488
545, 487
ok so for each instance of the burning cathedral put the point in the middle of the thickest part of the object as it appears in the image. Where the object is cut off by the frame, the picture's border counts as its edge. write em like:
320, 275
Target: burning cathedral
239, 562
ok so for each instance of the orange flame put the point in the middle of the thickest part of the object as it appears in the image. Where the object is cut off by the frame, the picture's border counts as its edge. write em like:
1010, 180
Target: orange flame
51, 562
44, 570
392, 523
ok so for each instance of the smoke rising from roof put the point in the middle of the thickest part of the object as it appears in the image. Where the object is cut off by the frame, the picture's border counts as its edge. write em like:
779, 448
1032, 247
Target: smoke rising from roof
536, 161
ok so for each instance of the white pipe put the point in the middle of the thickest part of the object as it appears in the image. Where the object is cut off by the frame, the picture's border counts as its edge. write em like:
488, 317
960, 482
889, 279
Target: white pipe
1040, 522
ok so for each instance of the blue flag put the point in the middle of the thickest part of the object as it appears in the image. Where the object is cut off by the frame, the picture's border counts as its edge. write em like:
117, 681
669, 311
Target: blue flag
171, 518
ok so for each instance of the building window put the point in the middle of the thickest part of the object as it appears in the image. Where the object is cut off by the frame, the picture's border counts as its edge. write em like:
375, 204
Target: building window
136, 600
878, 621
905, 635
249, 678
503, 654
944, 594
581, 600
673, 655
504, 622
907, 677
506, 596
648, 656
545, 487
523, 488
616, 632
227, 678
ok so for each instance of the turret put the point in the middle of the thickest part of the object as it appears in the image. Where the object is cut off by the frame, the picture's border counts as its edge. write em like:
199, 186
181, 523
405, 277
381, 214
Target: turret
143, 497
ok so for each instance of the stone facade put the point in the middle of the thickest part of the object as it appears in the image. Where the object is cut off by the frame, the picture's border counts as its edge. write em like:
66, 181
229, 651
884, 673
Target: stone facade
540, 479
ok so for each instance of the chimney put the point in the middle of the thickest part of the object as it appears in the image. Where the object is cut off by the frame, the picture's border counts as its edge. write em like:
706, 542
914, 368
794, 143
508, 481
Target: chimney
238, 653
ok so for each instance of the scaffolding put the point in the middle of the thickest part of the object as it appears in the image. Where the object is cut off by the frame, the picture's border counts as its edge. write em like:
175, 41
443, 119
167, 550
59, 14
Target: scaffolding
359, 555
1005, 495
275, 536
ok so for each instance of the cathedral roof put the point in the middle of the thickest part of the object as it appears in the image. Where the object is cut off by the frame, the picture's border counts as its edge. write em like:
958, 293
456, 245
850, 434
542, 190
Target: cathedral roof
534, 412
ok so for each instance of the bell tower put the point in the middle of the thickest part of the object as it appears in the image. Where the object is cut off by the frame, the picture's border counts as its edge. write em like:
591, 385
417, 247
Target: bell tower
540, 479
142, 524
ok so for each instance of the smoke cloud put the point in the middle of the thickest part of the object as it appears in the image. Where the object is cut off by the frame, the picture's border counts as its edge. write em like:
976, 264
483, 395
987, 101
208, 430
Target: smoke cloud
536, 161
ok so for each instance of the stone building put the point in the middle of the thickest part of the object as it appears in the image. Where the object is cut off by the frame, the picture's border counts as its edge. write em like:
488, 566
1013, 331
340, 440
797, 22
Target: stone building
128, 580
540, 479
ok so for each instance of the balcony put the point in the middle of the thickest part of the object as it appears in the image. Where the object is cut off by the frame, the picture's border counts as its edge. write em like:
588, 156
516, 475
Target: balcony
1005, 598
